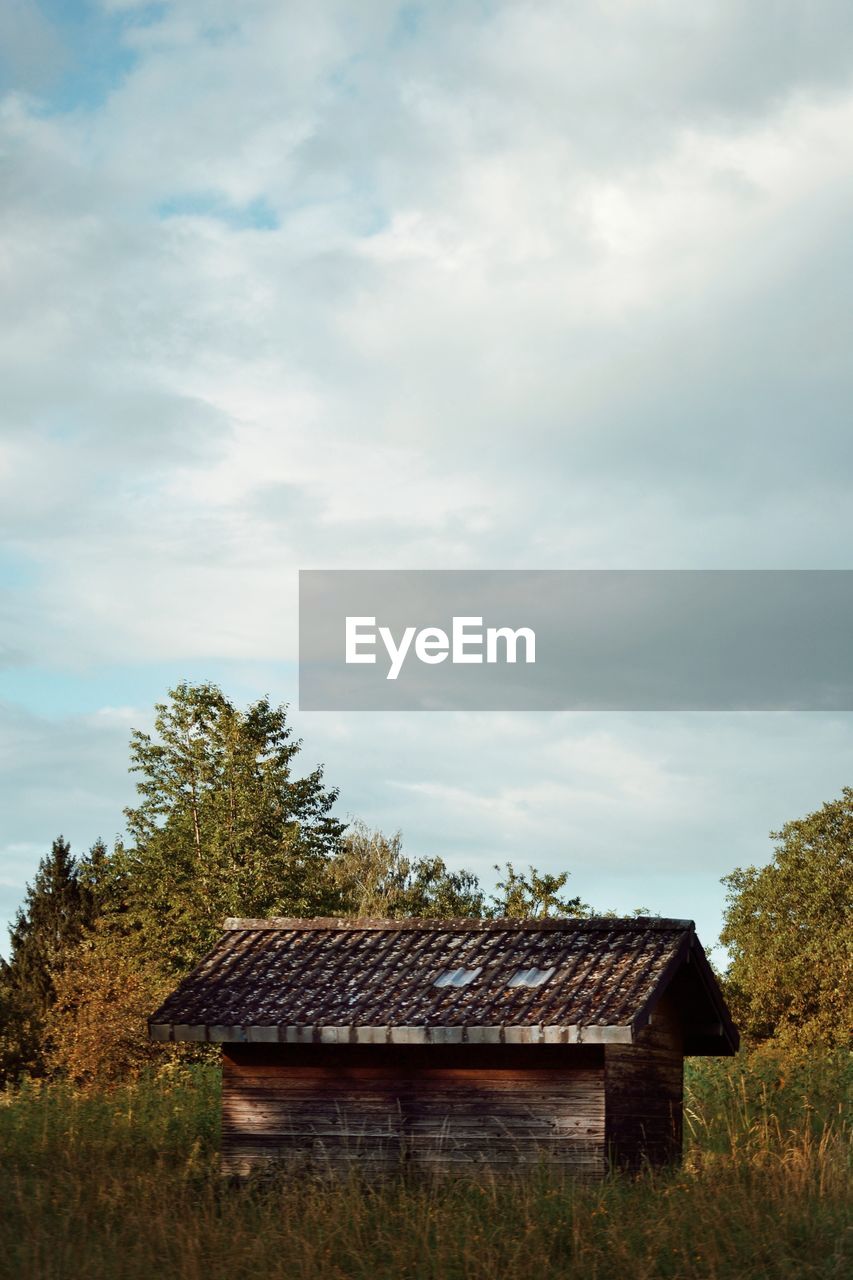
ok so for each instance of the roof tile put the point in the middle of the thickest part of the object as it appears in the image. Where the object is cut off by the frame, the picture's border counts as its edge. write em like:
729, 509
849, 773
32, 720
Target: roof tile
382, 973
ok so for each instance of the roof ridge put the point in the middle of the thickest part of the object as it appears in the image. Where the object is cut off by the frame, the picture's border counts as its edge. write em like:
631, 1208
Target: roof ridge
458, 923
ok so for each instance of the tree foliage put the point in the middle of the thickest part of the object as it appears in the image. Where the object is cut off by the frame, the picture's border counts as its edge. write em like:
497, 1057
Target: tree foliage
371, 876
59, 906
95, 1030
223, 827
789, 930
534, 895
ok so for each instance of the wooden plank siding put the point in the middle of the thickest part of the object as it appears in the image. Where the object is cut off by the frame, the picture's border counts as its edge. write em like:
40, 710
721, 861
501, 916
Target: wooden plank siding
377, 1107
644, 1087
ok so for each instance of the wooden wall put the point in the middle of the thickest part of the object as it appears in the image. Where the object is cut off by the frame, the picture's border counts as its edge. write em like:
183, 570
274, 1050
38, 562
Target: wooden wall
644, 1094
429, 1107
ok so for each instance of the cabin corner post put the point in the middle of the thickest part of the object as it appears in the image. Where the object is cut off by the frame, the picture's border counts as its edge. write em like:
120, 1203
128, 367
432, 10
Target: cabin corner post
644, 1094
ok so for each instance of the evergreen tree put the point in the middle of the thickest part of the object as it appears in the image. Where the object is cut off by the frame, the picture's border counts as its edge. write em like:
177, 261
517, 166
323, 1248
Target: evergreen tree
51, 920
96, 873
11, 1057
57, 910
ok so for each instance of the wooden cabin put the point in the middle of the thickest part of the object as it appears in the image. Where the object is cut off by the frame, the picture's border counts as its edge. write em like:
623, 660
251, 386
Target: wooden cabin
451, 1042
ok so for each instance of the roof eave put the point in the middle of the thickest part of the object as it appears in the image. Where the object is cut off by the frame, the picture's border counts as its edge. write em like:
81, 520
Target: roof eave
576, 1034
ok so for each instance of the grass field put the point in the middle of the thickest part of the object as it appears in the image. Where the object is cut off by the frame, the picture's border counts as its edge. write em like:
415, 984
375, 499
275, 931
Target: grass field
125, 1184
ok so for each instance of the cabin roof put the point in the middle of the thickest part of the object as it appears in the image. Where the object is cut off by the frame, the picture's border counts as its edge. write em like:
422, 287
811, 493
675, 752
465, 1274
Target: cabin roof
447, 981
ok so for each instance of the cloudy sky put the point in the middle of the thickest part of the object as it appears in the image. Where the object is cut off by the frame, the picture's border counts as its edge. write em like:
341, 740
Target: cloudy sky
424, 285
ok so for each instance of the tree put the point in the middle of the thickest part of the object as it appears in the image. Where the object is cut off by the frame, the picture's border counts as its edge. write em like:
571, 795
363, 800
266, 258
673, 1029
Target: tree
95, 1030
96, 875
371, 876
15, 1049
535, 895
60, 904
223, 827
789, 930
50, 921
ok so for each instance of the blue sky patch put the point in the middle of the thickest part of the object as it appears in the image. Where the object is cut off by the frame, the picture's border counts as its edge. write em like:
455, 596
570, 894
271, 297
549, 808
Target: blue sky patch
258, 215
71, 54
54, 693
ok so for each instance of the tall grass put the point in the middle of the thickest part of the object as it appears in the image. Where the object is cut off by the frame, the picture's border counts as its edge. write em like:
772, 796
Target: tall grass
125, 1184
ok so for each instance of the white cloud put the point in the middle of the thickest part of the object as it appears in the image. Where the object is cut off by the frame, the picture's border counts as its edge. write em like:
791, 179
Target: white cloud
641, 809
540, 286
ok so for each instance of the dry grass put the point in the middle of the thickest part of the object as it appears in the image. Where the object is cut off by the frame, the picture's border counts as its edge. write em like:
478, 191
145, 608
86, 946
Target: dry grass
125, 1184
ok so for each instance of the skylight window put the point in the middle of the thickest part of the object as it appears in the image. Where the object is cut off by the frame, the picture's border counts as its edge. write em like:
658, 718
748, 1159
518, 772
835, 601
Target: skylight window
530, 977
456, 977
